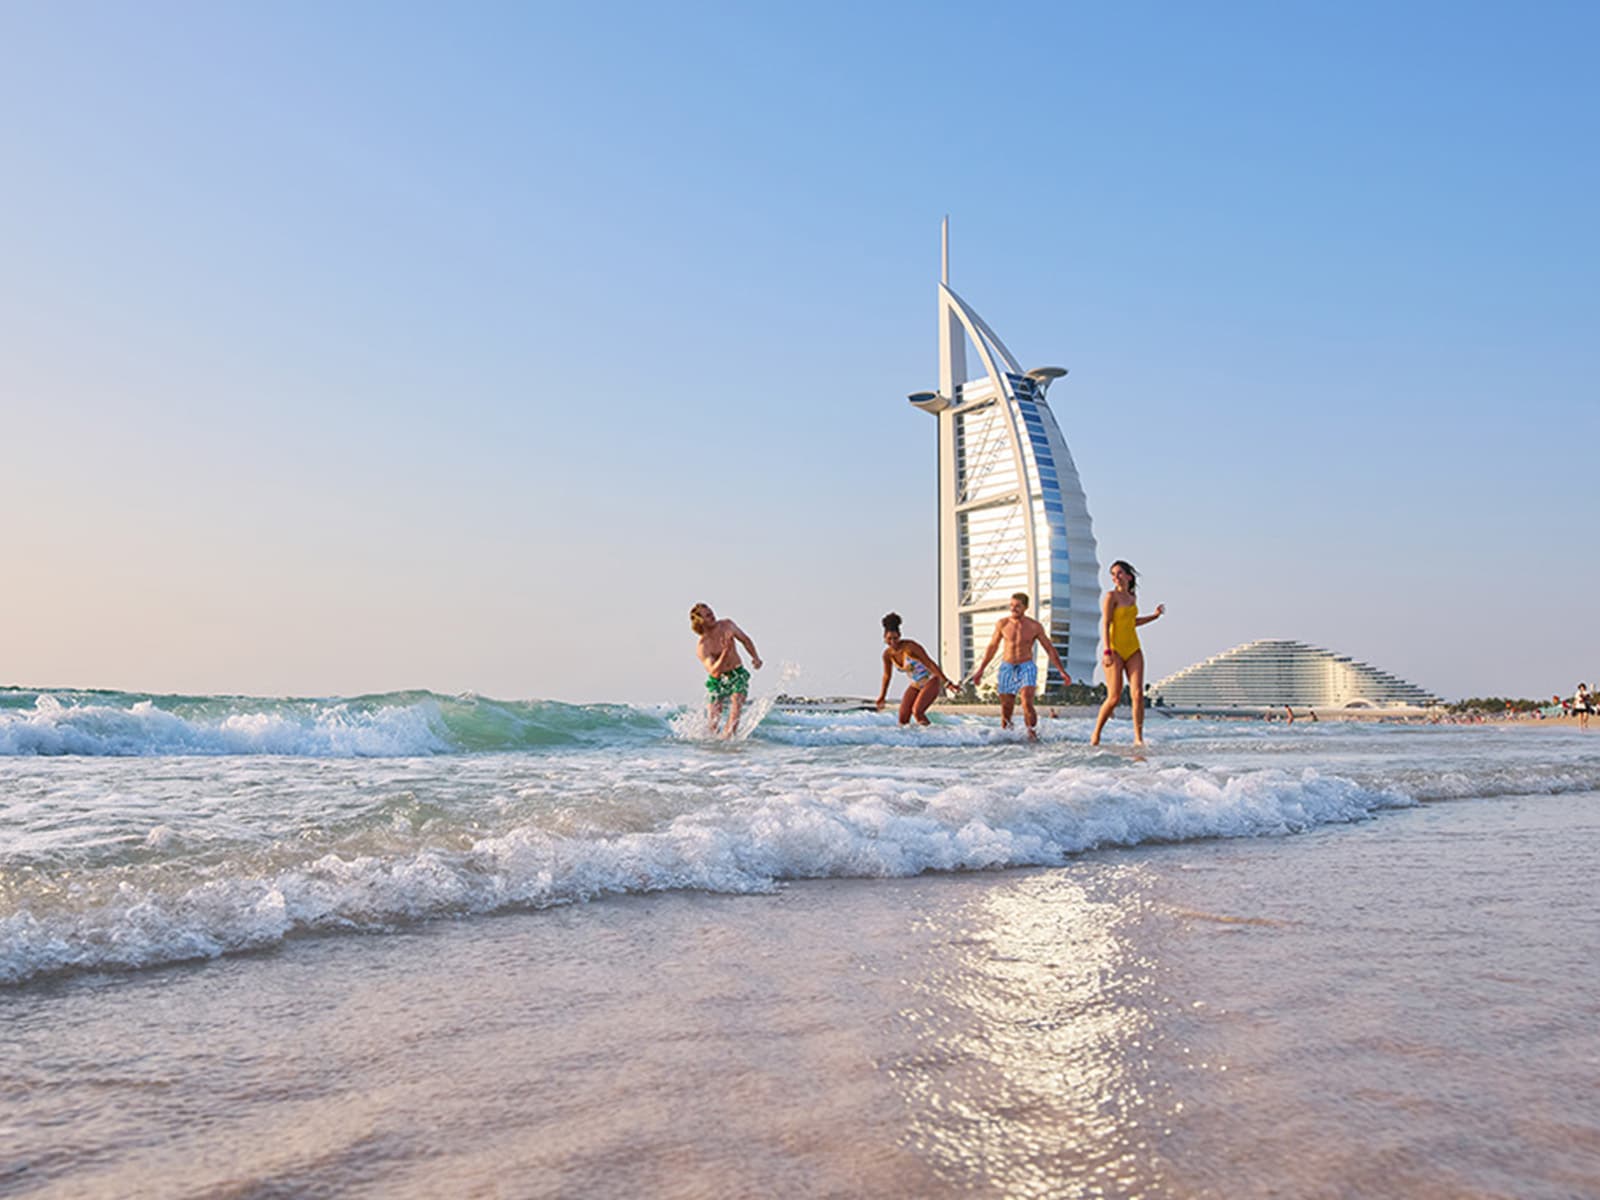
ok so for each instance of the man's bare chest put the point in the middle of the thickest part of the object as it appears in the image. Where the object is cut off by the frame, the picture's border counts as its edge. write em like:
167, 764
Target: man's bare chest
1018, 634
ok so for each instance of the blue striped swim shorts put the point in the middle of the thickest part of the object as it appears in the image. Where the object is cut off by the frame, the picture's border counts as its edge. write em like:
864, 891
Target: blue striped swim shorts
1016, 676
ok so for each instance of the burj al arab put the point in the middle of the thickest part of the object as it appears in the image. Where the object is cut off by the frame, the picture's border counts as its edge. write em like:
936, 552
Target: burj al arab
1012, 513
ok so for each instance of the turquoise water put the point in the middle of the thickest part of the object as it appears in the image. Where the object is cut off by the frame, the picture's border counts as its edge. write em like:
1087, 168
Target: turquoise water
391, 724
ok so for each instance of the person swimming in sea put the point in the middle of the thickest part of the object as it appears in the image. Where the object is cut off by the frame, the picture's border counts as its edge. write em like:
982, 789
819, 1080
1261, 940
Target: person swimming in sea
726, 679
927, 680
1119, 622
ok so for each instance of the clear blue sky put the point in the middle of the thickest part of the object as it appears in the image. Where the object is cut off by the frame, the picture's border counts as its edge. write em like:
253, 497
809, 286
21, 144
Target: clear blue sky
363, 346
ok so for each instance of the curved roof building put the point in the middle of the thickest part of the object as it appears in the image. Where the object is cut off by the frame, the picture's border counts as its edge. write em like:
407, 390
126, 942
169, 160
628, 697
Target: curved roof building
1012, 513
1273, 672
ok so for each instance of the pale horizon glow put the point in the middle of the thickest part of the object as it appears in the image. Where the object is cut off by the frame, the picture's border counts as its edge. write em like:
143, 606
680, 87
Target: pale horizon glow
357, 349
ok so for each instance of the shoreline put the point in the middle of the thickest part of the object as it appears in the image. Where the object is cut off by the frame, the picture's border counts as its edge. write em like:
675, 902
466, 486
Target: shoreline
1214, 1020
1154, 714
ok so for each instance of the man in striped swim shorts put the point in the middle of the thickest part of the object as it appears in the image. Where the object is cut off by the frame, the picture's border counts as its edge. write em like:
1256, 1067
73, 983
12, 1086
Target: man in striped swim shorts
1018, 675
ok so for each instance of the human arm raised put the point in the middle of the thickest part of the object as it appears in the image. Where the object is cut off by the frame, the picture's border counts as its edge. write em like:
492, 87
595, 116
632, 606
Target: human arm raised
744, 640
1160, 608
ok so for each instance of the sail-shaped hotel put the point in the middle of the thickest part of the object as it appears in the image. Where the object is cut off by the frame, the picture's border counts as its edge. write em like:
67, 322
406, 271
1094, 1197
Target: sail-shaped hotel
1012, 514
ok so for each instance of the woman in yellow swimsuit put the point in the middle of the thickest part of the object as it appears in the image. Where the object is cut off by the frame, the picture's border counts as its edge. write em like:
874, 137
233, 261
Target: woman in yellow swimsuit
1119, 622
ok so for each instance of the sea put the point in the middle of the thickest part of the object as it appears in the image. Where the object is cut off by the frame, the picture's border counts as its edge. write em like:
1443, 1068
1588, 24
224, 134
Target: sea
424, 945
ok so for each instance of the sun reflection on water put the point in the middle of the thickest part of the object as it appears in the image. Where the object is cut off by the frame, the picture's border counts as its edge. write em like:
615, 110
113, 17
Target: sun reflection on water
1033, 1071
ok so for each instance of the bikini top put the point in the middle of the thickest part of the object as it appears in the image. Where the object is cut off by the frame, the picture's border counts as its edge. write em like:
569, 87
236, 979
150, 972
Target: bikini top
912, 667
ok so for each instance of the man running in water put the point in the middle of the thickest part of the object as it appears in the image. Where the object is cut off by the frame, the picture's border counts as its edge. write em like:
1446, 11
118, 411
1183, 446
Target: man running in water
726, 677
1018, 674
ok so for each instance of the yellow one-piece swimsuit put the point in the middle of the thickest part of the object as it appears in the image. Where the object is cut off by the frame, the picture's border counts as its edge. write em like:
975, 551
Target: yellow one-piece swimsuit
1124, 631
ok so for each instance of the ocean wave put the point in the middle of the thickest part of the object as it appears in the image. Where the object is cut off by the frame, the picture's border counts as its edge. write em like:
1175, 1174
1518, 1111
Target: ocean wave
843, 826
399, 724
1498, 780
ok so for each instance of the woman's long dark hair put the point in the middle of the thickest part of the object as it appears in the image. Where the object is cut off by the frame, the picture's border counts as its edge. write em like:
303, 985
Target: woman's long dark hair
1133, 576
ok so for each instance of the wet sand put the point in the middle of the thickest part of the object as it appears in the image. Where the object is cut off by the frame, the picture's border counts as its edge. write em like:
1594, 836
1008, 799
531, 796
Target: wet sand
1400, 1008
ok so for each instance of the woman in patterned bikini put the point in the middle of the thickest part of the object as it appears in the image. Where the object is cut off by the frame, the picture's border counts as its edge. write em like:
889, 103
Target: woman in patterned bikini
927, 680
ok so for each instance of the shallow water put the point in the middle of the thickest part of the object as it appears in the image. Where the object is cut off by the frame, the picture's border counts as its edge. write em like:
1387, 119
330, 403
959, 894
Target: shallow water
126, 854
1254, 961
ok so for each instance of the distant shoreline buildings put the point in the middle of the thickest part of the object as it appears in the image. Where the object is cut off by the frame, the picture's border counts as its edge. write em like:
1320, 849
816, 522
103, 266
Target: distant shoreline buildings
1274, 672
1012, 513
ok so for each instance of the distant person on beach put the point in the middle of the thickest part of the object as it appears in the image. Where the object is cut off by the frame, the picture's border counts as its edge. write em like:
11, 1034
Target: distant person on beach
727, 680
927, 681
1583, 705
1119, 622
1019, 676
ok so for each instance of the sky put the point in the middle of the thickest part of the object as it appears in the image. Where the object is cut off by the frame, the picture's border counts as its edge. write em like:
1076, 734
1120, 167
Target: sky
352, 348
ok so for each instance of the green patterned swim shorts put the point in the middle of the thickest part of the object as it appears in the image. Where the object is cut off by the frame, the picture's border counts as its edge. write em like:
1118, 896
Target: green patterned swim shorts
730, 683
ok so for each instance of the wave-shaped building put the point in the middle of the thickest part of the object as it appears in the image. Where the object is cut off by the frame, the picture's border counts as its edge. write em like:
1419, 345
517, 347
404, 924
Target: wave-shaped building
1274, 672
1012, 513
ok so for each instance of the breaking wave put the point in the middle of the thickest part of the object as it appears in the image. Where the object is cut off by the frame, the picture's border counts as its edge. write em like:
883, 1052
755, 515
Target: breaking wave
393, 724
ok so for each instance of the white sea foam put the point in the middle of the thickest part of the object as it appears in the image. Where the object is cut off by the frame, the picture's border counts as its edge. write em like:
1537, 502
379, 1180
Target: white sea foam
855, 728
315, 816
739, 840
693, 724
329, 729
